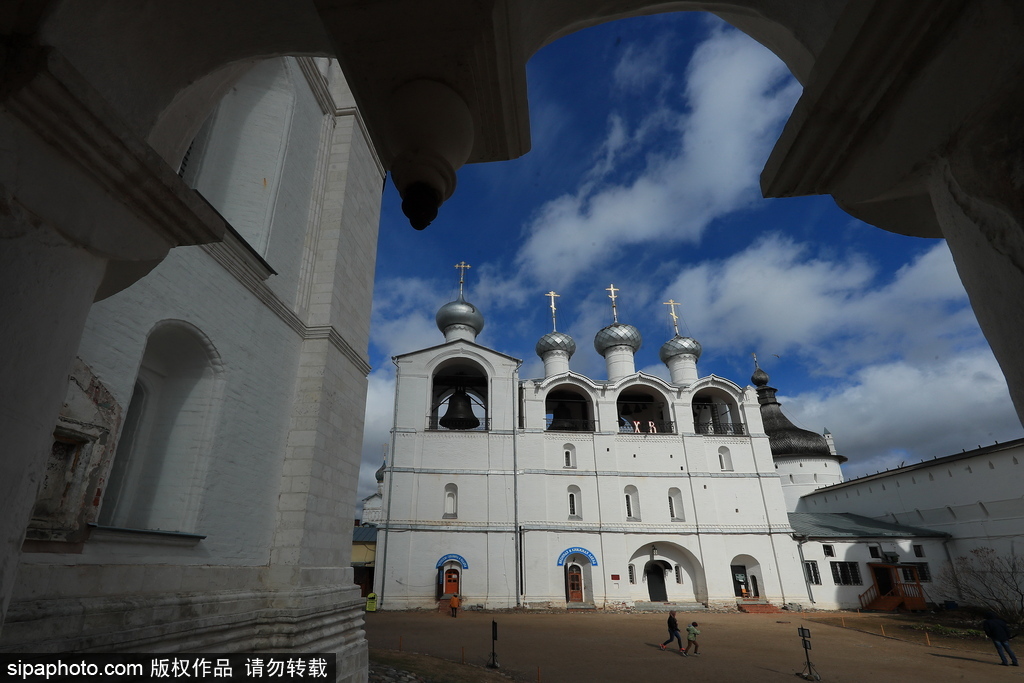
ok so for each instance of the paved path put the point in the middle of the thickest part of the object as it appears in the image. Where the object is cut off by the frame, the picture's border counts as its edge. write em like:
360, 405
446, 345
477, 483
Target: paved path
624, 647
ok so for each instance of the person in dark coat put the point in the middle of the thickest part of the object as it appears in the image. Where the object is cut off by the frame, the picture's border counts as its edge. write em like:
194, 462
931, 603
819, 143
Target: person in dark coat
996, 629
673, 632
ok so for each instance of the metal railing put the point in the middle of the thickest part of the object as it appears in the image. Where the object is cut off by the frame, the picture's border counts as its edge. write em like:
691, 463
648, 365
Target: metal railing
563, 425
627, 426
433, 424
722, 429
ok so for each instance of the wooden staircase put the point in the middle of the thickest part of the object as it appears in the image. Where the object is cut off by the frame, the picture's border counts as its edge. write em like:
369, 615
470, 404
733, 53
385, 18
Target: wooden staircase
905, 596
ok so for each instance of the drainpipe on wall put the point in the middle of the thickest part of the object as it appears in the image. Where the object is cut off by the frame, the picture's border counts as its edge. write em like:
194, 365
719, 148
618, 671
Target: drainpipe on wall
389, 472
803, 564
517, 549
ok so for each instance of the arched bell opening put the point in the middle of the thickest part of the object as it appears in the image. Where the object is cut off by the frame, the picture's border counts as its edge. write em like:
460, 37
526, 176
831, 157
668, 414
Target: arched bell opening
568, 410
716, 412
459, 398
644, 412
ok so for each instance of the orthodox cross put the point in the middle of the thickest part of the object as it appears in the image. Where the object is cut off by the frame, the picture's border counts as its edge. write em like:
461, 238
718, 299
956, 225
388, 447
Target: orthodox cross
462, 266
615, 313
675, 318
551, 295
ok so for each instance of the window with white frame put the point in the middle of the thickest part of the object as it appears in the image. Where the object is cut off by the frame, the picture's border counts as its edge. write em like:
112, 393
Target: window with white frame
846, 573
725, 459
923, 573
451, 501
575, 503
675, 505
569, 456
918, 550
811, 572
632, 499
829, 550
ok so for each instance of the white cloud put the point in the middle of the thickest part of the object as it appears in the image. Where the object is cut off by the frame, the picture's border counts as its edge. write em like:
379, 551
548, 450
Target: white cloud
738, 93
380, 402
775, 297
900, 412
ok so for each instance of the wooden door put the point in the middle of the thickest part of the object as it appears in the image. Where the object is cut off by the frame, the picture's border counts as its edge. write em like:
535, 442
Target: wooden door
575, 584
451, 581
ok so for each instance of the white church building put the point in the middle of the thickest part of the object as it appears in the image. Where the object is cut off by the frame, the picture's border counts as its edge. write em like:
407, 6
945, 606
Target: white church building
569, 491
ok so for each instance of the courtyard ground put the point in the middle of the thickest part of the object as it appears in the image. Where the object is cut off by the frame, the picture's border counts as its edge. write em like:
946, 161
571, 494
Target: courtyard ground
565, 648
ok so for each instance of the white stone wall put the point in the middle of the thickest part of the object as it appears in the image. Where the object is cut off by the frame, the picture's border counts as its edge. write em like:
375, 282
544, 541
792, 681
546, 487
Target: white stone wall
293, 170
975, 497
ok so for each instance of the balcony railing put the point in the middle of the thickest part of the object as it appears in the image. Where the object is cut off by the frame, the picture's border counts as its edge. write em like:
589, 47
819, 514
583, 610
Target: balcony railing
563, 425
722, 429
627, 426
433, 424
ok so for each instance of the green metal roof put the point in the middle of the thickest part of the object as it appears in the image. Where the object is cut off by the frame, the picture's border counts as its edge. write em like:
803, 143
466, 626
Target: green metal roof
849, 525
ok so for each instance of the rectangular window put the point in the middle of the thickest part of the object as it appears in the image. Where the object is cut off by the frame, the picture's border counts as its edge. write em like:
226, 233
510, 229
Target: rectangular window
923, 573
846, 573
679, 574
671, 508
572, 504
629, 507
632, 574
874, 551
918, 551
829, 551
811, 572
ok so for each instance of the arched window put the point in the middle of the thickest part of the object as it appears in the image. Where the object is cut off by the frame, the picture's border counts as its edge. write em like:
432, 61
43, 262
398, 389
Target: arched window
716, 412
675, 505
575, 503
568, 409
632, 500
459, 397
569, 456
725, 459
632, 574
451, 501
159, 468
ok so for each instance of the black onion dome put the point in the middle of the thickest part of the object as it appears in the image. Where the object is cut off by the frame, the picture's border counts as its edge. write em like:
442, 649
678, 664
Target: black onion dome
784, 437
556, 341
618, 334
379, 475
459, 312
678, 346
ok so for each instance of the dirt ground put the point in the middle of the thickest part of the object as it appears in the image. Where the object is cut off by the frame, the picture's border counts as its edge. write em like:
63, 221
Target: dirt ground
565, 648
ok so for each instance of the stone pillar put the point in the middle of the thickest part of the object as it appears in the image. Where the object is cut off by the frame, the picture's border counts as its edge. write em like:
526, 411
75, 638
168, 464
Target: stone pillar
556, 362
620, 362
85, 209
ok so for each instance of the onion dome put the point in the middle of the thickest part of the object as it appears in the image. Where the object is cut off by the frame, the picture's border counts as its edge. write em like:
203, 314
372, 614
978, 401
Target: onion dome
459, 312
379, 474
785, 437
618, 334
556, 341
677, 346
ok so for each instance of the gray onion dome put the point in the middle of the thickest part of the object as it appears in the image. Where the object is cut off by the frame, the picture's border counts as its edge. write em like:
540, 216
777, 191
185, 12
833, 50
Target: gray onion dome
556, 341
677, 346
618, 334
759, 378
459, 312
379, 475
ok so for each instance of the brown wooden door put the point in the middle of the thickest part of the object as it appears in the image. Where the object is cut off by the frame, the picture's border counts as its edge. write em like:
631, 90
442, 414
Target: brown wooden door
451, 581
575, 584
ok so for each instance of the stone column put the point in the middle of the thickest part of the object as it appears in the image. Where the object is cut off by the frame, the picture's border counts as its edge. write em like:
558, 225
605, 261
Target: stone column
85, 209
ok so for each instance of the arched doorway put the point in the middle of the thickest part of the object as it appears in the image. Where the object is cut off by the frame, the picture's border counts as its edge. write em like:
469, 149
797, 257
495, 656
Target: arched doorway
654, 575
746, 576
451, 581
574, 581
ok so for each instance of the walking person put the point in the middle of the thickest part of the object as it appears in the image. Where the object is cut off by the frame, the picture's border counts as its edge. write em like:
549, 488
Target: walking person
997, 630
691, 639
454, 604
673, 632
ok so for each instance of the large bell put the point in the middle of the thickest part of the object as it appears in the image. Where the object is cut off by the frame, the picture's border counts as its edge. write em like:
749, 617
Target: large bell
460, 412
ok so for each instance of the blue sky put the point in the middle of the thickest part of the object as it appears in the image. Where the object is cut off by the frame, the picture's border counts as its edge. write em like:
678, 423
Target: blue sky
649, 136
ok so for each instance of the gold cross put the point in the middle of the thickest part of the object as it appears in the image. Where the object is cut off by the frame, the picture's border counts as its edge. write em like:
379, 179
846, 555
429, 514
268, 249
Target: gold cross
552, 296
675, 318
615, 314
462, 266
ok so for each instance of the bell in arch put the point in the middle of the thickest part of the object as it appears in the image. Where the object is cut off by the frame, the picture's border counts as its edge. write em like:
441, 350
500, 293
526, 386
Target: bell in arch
460, 412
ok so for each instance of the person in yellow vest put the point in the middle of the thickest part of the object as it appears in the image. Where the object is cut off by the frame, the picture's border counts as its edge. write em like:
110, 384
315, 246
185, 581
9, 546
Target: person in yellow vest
454, 604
